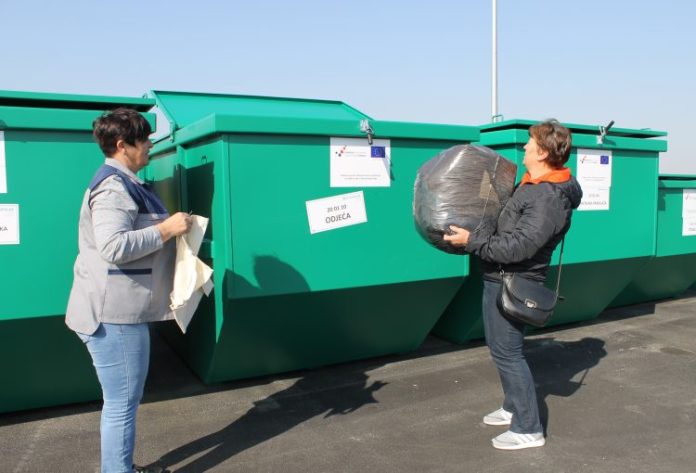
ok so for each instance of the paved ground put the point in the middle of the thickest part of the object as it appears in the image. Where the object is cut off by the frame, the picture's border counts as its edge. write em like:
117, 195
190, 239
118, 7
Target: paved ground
617, 395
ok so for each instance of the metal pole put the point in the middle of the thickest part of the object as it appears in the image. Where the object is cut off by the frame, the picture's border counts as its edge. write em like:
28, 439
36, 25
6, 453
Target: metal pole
494, 65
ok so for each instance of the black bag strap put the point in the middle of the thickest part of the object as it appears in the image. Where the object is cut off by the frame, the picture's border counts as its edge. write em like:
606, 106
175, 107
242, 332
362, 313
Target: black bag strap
560, 265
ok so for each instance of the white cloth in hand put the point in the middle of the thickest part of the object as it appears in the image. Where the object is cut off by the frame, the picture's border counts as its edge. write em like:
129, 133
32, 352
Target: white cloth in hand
192, 277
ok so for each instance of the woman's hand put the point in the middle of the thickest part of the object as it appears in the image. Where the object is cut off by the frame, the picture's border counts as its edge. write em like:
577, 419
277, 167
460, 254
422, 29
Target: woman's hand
176, 225
460, 237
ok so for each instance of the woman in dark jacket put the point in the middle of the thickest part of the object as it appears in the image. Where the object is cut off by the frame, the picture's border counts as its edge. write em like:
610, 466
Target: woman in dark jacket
532, 223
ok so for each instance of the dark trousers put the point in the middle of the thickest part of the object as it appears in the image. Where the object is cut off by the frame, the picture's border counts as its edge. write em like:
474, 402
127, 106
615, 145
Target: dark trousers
505, 339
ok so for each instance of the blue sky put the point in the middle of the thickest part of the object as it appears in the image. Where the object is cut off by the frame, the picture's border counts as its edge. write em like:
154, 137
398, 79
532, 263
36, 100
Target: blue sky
584, 61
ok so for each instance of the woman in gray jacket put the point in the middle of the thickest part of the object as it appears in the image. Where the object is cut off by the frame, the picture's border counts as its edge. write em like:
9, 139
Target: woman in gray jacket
532, 223
122, 277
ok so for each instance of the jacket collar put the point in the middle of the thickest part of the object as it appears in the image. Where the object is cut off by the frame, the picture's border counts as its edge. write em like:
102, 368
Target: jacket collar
556, 176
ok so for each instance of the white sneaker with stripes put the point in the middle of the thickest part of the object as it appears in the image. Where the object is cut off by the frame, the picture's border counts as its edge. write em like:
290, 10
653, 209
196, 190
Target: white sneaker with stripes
499, 417
513, 441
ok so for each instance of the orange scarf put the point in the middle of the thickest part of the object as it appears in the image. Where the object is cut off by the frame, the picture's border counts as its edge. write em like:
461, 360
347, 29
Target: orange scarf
555, 176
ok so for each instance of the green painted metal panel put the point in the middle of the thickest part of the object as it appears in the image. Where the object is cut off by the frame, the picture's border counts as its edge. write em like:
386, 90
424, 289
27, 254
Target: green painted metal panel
335, 259
47, 174
43, 119
670, 239
677, 181
659, 278
216, 124
195, 116
285, 299
43, 363
272, 334
599, 258
601, 235
462, 320
28, 118
168, 170
508, 137
673, 270
17, 98
184, 108
50, 157
425, 131
575, 128
589, 288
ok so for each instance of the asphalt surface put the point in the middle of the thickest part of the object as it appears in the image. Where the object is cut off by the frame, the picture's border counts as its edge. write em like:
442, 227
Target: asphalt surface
617, 394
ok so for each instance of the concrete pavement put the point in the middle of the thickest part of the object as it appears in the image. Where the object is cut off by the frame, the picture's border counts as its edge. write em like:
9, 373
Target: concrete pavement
617, 395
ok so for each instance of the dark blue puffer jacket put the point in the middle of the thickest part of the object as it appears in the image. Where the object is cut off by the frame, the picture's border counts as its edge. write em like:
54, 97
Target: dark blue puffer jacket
532, 223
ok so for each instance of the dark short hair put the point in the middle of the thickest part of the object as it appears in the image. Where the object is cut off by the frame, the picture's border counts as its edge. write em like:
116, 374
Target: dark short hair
120, 124
553, 138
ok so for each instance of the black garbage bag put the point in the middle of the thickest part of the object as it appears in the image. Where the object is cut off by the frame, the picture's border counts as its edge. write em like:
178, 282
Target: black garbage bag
466, 186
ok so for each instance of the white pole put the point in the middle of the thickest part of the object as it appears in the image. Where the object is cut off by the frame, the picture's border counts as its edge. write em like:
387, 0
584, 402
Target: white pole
494, 65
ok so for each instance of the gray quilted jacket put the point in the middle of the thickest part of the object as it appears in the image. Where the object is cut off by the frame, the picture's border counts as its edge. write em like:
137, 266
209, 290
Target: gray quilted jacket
123, 273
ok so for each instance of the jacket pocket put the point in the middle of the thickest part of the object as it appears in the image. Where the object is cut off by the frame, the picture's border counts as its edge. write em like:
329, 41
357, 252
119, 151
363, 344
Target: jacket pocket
128, 294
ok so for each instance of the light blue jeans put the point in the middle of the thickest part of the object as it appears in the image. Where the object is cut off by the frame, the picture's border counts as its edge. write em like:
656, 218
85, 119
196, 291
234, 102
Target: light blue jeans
121, 355
505, 339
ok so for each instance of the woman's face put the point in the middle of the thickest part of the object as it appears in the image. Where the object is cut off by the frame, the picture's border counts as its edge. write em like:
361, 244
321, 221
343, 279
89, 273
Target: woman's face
532, 154
137, 156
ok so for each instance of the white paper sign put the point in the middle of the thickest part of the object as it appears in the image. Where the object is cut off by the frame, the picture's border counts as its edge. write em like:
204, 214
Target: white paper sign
688, 226
3, 171
594, 168
9, 224
594, 199
689, 202
356, 163
594, 176
334, 212
688, 212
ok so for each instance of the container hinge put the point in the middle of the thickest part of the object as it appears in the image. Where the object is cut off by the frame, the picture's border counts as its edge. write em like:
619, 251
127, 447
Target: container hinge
603, 130
366, 128
172, 128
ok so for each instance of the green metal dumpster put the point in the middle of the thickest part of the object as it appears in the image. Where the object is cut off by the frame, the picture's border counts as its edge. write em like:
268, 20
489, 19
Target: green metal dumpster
673, 269
294, 288
47, 157
612, 233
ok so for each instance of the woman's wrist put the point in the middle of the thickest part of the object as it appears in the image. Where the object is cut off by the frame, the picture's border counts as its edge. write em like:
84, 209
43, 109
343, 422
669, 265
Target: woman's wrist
164, 231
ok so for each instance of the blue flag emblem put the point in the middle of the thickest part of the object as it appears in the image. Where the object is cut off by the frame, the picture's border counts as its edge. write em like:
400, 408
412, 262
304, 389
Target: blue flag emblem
604, 159
378, 151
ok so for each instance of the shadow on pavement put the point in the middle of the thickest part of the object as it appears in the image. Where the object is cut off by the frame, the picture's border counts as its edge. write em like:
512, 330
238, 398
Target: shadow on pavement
313, 395
559, 368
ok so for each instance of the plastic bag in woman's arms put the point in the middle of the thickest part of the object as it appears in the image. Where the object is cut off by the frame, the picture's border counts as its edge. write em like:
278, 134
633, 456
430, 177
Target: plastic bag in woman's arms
466, 186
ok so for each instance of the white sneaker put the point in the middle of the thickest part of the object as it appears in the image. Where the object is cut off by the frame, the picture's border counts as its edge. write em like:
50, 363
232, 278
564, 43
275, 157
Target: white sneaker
512, 441
499, 417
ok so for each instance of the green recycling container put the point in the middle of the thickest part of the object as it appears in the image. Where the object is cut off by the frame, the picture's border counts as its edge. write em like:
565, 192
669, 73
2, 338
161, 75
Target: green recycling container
311, 237
673, 269
47, 158
612, 233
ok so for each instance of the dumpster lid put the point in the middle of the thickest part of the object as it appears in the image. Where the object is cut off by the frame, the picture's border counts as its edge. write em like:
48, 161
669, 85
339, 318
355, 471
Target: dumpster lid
72, 101
574, 128
184, 108
677, 177
677, 181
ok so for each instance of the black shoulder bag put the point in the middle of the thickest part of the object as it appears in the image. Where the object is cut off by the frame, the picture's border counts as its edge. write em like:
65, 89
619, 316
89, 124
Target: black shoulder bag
527, 300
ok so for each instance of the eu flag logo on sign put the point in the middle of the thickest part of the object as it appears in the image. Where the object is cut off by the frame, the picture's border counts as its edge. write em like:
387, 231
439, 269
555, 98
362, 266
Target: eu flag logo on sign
378, 151
604, 159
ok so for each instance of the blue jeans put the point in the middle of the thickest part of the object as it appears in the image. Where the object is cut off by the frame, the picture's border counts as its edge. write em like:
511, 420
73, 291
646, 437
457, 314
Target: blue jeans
121, 355
505, 339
